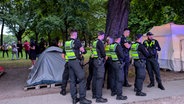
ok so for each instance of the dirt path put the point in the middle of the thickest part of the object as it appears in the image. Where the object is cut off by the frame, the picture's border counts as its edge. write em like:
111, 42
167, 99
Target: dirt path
12, 83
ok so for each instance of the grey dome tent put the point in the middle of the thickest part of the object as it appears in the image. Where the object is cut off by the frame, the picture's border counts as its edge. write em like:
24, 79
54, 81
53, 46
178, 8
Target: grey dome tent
48, 69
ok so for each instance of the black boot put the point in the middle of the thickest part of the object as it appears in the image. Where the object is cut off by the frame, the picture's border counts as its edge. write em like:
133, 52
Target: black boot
63, 92
127, 85
151, 85
85, 101
121, 97
140, 94
113, 93
88, 88
161, 86
101, 100
75, 100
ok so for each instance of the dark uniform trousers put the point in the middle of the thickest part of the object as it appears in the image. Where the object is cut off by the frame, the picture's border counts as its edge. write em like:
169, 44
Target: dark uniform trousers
90, 76
152, 67
118, 77
77, 75
108, 71
65, 76
140, 72
126, 67
98, 77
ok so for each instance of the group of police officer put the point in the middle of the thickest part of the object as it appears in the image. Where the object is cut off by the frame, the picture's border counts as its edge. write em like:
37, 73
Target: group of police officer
116, 55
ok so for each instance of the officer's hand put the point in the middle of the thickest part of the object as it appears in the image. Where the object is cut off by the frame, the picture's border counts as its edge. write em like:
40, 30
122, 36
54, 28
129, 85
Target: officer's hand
63, 56
106, 57
92, 56
82, 49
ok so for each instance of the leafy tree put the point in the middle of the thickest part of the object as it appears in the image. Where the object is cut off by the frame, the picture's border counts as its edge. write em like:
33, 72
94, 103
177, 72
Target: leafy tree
145, 14
96, 19
2, 12
49, 25
18, 16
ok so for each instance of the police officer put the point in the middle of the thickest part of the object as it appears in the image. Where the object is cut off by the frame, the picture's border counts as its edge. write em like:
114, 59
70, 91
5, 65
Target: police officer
126, 47
98, 52
108, 69
117, 67
152, 64
139, 53
73, 50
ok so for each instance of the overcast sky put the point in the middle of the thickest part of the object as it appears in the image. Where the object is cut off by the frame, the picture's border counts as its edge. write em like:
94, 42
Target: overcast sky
5, 31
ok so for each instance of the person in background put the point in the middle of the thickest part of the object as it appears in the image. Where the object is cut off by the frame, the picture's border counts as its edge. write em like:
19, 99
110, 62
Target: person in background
27, 48
14, 51
41, 46
32, 53
19, 46
5, 49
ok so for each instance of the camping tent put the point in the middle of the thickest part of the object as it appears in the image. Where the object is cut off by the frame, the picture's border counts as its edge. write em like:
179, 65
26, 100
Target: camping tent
48, 68
171, 39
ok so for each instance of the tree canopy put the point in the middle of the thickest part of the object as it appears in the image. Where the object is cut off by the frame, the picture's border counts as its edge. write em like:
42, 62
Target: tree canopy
54, 18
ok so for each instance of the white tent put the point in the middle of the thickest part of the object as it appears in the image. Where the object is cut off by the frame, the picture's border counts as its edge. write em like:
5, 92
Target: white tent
171, 39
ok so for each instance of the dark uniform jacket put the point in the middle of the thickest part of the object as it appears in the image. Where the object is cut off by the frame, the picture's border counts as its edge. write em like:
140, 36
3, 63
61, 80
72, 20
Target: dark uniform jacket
154, 48
119, 52
100, 49
125, 50
76, 48
142, 51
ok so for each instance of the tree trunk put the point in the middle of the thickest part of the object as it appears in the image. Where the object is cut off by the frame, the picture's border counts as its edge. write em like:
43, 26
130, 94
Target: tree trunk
49, 38
117, 17
36, 37
66, 29
2, 28
84, 38
89, 40
19, 34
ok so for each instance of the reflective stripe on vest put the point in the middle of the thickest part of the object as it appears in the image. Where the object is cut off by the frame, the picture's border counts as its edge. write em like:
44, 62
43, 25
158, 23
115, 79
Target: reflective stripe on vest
113, 53
66, 58
152, 43
69, 50
133, 52
107, 50
94, 51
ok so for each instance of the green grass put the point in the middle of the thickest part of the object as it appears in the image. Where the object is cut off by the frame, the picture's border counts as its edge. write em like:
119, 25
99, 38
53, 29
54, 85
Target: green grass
6, 62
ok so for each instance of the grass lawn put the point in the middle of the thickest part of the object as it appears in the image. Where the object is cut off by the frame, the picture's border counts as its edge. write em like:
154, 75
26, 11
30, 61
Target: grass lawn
6, 62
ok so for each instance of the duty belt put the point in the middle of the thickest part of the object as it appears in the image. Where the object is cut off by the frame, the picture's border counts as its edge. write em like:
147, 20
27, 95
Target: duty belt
141, 60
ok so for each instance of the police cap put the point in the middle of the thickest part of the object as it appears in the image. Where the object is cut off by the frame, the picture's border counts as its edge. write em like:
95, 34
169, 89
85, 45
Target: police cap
138, 36
149, 34
101, 33
116, 36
